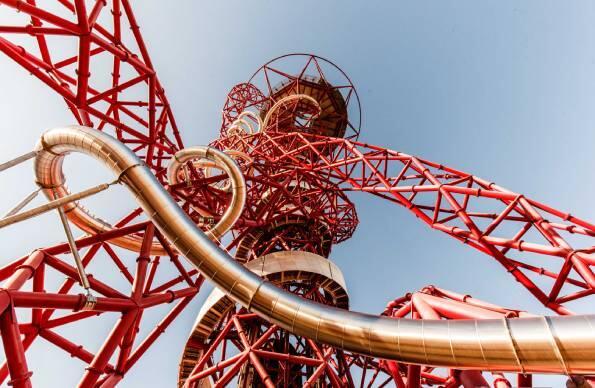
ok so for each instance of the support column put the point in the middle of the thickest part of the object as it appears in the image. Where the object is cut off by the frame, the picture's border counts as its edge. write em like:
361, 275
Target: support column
97, 367
524, 381
413, 376
473, 379
20, 377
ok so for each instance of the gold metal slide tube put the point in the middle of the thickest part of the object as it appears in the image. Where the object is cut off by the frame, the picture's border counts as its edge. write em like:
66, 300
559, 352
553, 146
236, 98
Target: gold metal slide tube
563, 345
237, 184
55, 188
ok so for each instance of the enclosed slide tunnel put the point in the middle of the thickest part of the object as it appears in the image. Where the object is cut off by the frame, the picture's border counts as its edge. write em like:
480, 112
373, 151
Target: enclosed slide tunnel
562, 345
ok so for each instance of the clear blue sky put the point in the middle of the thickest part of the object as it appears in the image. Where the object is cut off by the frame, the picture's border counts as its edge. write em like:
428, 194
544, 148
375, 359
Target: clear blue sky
502, 89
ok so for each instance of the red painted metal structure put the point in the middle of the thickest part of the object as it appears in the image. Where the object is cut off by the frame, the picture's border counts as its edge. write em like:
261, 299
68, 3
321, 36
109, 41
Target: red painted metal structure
435, 303
301, 165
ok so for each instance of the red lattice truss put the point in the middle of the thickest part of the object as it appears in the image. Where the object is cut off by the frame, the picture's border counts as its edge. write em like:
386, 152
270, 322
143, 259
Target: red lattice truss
527, 237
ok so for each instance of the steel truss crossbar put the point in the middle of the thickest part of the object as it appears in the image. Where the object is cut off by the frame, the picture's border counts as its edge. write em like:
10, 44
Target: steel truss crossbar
100, 31
18, 337
449, 201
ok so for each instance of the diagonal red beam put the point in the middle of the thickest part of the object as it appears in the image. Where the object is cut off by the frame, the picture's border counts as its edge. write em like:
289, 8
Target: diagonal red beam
22, 6
100, 362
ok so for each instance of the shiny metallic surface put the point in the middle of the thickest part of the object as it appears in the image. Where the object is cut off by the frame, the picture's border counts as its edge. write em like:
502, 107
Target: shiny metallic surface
176, 169
237, 156
563, 344
55, 189
236, 181
280, 268
49, 175
255, 117
285, 100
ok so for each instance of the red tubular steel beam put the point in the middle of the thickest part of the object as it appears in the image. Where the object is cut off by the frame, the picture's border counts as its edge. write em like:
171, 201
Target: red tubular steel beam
111, 381
261, 370
24, 271
70, 282
89, 44
68, 302
97, 238
500, 381
9, 328
118, 262
74, 350
167, 297
142, 263
205, 357
72, 273
254, 360
473, 378
287, 357
93, 38
27, 341
393, 369
137, 293
237, 359
363, 167
39, 13
66, 319
8, 269
98, 365
470, 300
524, 381
413, 376
159, 330
20, 377
38, 286
424, 309
315, 376
453, 310
31, 30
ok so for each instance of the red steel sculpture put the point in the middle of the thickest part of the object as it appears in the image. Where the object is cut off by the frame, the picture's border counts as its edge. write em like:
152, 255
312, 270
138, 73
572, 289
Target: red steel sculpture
293, 130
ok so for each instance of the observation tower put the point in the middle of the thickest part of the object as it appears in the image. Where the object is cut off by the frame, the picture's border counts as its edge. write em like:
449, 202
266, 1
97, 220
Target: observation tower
257, 213
298, 216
